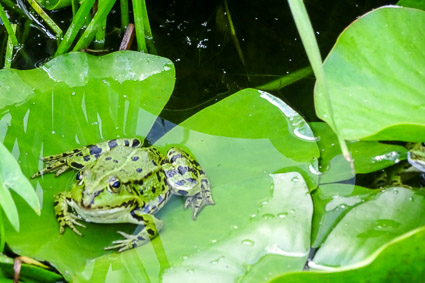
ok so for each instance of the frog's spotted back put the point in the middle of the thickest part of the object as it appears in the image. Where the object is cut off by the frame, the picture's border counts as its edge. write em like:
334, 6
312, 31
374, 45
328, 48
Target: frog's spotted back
79, 158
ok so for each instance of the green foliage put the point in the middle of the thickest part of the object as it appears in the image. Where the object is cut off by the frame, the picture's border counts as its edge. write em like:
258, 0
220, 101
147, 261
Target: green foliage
11, 177
376, 89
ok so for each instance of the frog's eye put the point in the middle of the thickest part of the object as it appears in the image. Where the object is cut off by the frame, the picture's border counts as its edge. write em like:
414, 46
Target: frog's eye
114, 184
78, 177
423, 144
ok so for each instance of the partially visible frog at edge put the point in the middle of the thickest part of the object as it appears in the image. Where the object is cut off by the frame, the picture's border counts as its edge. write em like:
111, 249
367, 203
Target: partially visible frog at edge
416, 156
407, 174
118, 181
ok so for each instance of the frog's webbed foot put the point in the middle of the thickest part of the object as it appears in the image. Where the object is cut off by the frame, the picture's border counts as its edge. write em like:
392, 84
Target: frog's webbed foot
64, 216
150, 231
198, 201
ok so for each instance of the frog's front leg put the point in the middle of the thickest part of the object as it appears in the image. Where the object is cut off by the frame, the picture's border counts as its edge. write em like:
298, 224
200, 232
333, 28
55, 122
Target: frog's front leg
186, 178
150, 231
63, 215
82, 157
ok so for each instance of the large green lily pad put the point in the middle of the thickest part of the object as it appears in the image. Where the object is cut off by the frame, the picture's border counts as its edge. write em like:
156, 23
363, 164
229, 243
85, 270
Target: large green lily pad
244, 144
375, 75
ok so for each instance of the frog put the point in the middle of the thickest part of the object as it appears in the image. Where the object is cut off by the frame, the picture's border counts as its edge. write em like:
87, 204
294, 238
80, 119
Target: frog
405, 174
121, 181
416, 156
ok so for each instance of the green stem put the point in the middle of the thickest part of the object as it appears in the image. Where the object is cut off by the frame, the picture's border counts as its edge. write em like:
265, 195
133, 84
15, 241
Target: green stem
148, 31
8, 26
286, 80
9, 50
89, 33
124, 14
47, 19
139, 25
76, 24
234, 36
305, 29
74, 5
99, 42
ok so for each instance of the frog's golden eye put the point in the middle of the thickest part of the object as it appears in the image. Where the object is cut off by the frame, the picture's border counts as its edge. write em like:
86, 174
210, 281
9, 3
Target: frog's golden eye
114, 184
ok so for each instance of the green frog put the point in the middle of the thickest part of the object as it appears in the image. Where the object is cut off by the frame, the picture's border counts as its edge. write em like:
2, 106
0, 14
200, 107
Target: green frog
416, 156
119, 181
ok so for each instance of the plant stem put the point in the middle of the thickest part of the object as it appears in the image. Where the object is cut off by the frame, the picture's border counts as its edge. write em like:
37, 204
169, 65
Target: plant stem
235, 37
9, 49
99, 42
286, 80
148, 31
47, 19
124, 14
139, 25
89, 33
74, 28
305, 29
8, 26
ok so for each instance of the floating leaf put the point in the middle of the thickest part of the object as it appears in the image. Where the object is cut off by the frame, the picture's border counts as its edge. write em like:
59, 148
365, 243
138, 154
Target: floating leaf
375, 77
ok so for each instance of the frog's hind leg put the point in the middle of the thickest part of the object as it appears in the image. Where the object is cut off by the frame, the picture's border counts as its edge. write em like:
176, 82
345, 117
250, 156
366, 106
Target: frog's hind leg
150, 231
79, 158
186, 178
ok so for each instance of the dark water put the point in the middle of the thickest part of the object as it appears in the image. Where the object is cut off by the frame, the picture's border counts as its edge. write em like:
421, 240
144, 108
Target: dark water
195, 35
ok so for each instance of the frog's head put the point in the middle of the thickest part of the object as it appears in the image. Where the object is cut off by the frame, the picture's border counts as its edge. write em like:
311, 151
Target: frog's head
105, 191
416, 156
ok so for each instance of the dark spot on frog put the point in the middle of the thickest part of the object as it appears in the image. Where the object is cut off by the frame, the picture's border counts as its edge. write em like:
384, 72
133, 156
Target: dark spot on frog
175, 157
139, 170
112, 144
151, 232
154, 163
80, 154
126, 143
108, 158
76, 165
135, 158
86, 157
180, 183
95, 150
183, 169
115, 161
170, 173
140, 238
136, 143
191, 180
182, 192
153, 190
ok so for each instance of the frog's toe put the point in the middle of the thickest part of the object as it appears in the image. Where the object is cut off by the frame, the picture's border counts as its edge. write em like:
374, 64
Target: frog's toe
198, 201
129, 241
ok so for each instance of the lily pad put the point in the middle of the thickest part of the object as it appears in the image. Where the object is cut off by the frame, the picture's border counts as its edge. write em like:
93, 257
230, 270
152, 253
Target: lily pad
370, 225
401, 260
243, 142
375, 75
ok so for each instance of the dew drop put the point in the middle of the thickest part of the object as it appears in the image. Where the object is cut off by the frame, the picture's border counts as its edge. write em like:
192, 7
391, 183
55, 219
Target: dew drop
282, 215
248, 242
295, 179
53, 132
267, 216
